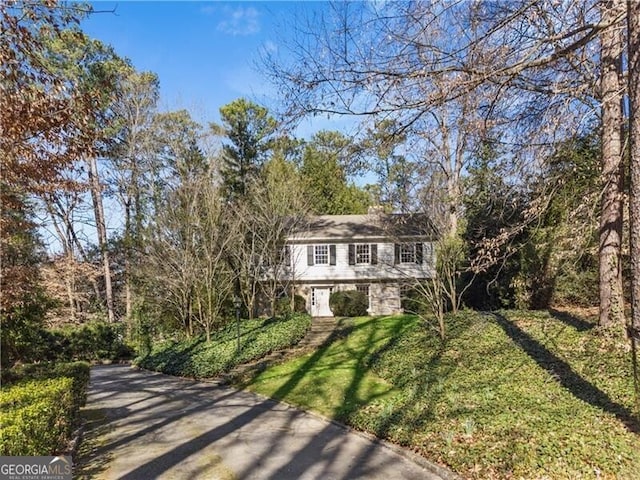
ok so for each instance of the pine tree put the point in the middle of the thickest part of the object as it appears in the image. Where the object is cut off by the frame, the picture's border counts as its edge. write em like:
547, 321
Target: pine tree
248, 127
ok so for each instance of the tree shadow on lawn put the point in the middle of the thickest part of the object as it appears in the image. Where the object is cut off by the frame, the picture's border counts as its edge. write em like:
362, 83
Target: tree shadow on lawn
243, 381
579, 324
356, 360
355, 364
352, 396
363, 358
425, 390
565, 375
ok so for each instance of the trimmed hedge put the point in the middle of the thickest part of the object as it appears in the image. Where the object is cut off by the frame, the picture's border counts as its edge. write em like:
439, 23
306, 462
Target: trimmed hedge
200, 359
78, 371
36, 417
349, 303
39, 405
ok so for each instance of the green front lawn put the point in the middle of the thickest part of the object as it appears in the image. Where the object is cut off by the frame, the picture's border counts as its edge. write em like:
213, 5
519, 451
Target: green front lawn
509, 395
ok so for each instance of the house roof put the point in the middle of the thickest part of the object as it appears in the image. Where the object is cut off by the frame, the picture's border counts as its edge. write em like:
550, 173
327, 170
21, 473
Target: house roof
372, 225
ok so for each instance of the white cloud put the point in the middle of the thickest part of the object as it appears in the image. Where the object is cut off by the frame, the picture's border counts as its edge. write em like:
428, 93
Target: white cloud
208, 10
270, 47
240, 21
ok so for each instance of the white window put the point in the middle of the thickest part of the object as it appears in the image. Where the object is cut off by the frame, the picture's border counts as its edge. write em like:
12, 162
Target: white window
363, 288
321, 254
363, 254
408, 253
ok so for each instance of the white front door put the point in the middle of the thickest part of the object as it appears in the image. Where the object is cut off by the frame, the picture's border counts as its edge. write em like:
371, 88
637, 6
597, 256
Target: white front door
320, 302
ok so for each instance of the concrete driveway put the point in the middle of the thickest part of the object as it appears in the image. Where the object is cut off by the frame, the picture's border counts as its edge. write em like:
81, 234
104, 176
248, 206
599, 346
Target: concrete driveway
145, 426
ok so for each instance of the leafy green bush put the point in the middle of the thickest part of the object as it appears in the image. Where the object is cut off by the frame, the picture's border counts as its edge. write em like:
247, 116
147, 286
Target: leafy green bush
143, 331
577, 287
22, 329
92, 342
349, 303
200, 359
36, 416
413, 301
283, 305
77, 371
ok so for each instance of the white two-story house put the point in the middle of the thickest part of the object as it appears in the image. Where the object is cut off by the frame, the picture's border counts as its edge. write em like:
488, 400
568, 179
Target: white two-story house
377, 254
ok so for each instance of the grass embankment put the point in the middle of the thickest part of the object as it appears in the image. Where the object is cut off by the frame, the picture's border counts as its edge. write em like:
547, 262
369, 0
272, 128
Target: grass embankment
198, 358
510, 395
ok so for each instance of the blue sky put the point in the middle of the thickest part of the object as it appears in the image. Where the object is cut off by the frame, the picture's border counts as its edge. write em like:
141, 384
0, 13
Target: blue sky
205, 53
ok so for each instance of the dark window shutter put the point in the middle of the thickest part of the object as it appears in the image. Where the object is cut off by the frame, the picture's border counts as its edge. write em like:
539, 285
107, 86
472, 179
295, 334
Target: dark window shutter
352, 254
396, 254
287, 255
419, 253
310, 255
332, 254
374, 253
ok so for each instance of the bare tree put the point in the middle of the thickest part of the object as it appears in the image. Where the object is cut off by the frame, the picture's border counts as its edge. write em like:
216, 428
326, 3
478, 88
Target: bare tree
171, 258
65, 212
131, 159
96, 188
218, 234
277, 208
187, 257
443, 292
65, 280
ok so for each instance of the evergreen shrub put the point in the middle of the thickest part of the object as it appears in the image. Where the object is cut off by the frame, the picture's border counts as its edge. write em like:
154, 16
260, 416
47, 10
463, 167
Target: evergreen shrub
91, 342
349, 303
283, 305
36, 416
78, 372
575, 287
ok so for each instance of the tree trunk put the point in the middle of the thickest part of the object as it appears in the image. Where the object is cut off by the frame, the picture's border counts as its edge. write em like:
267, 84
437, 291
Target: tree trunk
128, 247
83, 255
70, 285
67, 247
611, 297
96, 195
633, 19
